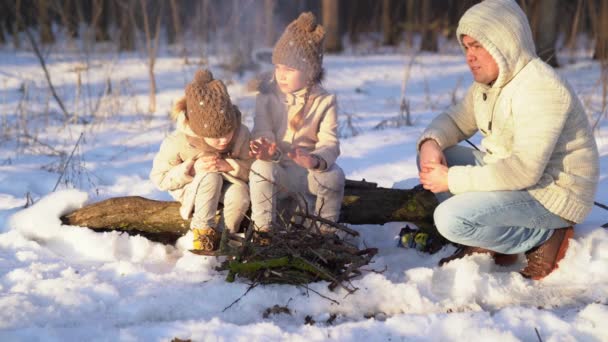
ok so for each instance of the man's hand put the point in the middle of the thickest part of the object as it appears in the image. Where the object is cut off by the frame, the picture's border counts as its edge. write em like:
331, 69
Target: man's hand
435, 178
430, 152
211, 163
262, 149
304, 158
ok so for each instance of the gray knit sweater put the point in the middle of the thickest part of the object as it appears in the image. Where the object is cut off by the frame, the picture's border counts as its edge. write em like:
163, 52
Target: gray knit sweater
534, 127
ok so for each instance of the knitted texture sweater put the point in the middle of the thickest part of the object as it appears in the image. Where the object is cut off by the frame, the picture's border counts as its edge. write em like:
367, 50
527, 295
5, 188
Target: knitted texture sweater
535, 131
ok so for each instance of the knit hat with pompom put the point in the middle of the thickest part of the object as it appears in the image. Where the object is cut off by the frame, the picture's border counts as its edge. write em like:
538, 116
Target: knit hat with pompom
301, 46
208, 108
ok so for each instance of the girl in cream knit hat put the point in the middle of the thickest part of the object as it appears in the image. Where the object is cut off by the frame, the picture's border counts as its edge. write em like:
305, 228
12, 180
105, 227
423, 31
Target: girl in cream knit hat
295, 130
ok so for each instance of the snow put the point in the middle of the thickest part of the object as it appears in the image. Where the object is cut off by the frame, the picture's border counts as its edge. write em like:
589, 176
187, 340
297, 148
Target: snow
64, 283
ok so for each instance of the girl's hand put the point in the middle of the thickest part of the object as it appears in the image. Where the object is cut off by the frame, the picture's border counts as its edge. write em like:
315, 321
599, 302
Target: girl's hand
211, 164
205, 164
262, 149
222, 165
304, 158
188, 168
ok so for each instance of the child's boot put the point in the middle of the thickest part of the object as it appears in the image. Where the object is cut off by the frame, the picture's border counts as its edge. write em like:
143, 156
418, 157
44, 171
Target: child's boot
205, 239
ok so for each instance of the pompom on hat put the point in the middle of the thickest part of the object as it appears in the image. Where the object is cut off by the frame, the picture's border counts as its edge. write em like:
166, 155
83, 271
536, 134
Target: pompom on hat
301, 46
209, 110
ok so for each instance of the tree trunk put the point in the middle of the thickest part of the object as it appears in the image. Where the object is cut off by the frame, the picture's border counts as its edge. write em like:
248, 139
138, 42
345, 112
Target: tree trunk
388, 27
126, 40
3, 20
429, 35
70, 19
546, 30
101, 9
269, 7
364, 203
18, 25
601, 32
574, 27
331, 23
44, 23
410, 22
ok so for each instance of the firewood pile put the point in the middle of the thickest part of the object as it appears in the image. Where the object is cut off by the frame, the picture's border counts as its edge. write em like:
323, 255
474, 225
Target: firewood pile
304, 250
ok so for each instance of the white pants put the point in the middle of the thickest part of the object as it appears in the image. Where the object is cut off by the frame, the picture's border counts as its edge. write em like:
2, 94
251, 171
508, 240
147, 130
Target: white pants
212, 190
325, 189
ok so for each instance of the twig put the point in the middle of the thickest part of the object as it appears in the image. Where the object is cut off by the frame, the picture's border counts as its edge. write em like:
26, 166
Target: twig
251, 287
603, 206
320, 295
328, 222
65, 165
376, 271
46, 72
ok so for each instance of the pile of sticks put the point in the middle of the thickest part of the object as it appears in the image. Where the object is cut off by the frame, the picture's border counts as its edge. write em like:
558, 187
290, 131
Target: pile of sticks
305, 250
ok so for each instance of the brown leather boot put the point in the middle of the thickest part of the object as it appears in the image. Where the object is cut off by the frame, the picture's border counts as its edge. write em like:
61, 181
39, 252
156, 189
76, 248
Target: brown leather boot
499, 258
543, 259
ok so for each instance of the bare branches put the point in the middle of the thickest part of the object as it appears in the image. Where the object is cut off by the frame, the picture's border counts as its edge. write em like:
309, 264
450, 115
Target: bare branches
152, 48
65, 165
46, 72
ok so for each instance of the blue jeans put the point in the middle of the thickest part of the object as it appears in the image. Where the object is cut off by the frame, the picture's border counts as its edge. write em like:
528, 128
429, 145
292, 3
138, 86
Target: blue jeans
508, 222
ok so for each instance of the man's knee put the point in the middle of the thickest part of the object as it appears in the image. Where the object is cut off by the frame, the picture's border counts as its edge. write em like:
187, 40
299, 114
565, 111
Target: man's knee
450, 223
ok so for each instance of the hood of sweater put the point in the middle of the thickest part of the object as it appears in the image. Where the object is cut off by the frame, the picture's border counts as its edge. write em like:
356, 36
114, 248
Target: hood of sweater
502, 28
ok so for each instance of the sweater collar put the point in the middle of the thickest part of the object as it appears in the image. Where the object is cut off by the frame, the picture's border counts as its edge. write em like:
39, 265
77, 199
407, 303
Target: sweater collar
296, 98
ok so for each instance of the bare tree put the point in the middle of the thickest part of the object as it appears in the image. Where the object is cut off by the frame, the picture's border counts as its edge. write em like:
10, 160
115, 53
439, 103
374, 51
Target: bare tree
66, 10
126, 40
331, 22
388, 26
269, 7
151, 47
411, 21
601, 31
576, 19
101, 13
174, 31
44, 22
545, 29
429, 28
18, 25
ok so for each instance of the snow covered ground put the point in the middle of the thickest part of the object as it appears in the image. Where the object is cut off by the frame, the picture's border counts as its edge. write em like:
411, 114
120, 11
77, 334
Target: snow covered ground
62, 283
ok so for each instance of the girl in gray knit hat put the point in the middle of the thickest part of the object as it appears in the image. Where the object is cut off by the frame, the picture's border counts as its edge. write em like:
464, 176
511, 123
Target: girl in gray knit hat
205, 161
295, 130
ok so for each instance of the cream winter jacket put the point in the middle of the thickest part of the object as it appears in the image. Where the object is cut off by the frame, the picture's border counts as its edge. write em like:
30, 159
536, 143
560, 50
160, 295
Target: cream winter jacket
318, 132
168, 169
534, 127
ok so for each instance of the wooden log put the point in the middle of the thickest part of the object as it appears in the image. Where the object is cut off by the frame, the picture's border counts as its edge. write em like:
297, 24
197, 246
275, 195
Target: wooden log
364, 203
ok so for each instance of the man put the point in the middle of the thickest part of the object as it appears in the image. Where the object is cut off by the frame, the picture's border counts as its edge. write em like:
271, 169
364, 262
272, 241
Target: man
538, 173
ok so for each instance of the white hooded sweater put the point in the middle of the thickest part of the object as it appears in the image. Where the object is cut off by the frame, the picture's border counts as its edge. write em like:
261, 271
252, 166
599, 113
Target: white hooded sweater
535, 132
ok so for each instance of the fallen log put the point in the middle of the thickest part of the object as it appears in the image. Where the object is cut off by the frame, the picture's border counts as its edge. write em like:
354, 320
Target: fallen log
364, 203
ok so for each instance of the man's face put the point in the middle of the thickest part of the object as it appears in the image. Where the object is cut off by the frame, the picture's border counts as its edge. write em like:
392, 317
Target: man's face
482, 65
